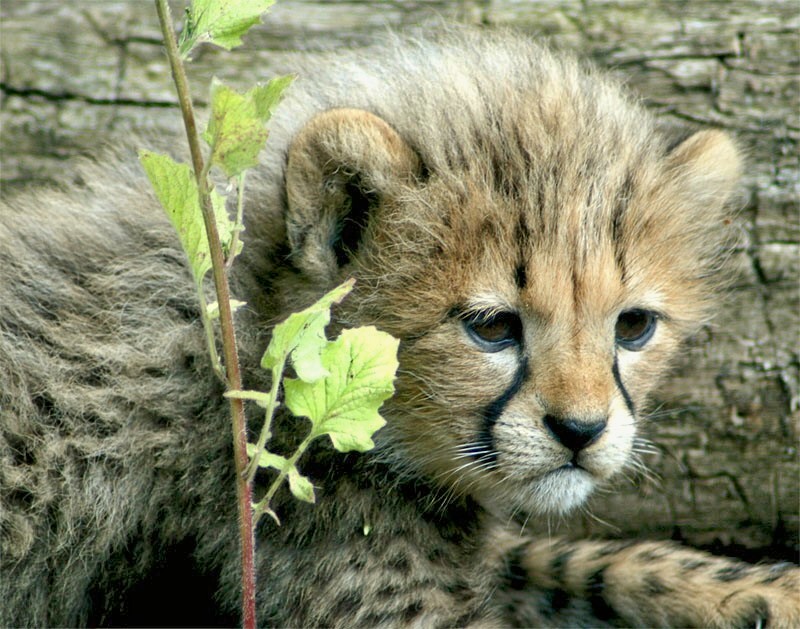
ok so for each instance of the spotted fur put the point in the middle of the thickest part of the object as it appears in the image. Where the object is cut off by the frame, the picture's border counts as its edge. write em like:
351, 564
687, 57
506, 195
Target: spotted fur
473, 185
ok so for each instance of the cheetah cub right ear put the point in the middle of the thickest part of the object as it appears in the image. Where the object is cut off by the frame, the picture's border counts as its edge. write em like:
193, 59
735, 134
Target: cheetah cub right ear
343, 166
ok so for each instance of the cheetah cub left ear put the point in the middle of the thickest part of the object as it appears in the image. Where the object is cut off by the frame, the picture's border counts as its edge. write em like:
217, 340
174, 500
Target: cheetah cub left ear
343, 166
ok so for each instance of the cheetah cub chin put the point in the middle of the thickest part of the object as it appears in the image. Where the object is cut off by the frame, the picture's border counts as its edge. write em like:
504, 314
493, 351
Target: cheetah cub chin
539, 247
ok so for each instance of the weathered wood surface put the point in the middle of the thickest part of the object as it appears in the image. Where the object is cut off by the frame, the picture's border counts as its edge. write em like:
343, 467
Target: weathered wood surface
727, 426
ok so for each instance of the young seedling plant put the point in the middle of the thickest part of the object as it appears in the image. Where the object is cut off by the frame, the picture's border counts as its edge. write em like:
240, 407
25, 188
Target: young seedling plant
340, 384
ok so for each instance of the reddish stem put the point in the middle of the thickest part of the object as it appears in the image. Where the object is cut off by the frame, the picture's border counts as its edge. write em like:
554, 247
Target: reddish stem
229, 349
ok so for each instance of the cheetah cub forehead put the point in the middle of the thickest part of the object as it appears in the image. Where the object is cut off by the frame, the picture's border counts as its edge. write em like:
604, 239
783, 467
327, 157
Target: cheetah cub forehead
540, 252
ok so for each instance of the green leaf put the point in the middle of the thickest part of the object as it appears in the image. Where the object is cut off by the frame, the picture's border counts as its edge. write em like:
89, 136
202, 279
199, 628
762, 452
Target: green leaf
362, 363
220, 22
267, 459
266, 97
236, 130
212, 309
234, 133
303, 336
300, 486
269, 512
176, 189
259, 397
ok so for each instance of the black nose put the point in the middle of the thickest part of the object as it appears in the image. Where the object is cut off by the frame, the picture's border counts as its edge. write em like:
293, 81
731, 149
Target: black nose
575, 434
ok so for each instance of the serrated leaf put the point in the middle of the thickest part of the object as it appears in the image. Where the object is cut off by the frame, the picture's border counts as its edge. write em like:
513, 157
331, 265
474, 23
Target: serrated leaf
220, 22
302, 335
362, 363
236, 130
259, 397
235, 133
300, 486
176, 189
266, 97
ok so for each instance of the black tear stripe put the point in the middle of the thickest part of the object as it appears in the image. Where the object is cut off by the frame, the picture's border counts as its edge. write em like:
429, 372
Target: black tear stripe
493, 411
625, 395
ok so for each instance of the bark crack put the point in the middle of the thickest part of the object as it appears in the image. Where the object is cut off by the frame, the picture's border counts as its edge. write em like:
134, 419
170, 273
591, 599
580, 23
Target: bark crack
62, 96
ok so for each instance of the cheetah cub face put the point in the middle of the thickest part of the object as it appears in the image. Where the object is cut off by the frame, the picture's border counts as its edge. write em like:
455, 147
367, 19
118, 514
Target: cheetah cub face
540, 266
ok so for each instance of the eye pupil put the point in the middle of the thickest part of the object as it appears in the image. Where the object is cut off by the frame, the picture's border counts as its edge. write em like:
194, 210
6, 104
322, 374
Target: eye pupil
635, 328
631, 324
494, 332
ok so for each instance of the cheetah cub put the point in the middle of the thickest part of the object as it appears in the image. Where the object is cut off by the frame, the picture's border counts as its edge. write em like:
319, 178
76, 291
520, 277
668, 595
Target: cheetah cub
540, 249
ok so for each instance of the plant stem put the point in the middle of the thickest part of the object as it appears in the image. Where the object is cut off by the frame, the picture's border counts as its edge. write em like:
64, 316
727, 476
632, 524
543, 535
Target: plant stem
266, 429
229, 349
263, 504
216, 363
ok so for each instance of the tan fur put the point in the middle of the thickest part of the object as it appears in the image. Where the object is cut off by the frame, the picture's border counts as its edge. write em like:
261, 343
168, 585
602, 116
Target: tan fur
459, 180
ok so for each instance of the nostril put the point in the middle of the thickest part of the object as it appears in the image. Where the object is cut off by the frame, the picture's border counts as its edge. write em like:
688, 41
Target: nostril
574, 434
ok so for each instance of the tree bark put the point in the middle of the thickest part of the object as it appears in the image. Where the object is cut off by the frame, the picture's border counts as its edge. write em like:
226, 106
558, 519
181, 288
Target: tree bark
74, 74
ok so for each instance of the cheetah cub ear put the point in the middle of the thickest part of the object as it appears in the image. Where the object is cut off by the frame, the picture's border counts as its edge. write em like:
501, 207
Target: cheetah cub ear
343, 165
708, 165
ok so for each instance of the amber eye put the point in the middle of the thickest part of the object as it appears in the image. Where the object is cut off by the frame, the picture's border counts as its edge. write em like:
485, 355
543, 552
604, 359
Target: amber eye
495, 332
635, 328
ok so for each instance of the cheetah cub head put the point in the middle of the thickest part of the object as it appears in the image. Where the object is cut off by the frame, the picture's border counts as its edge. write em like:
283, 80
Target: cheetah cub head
540, 260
